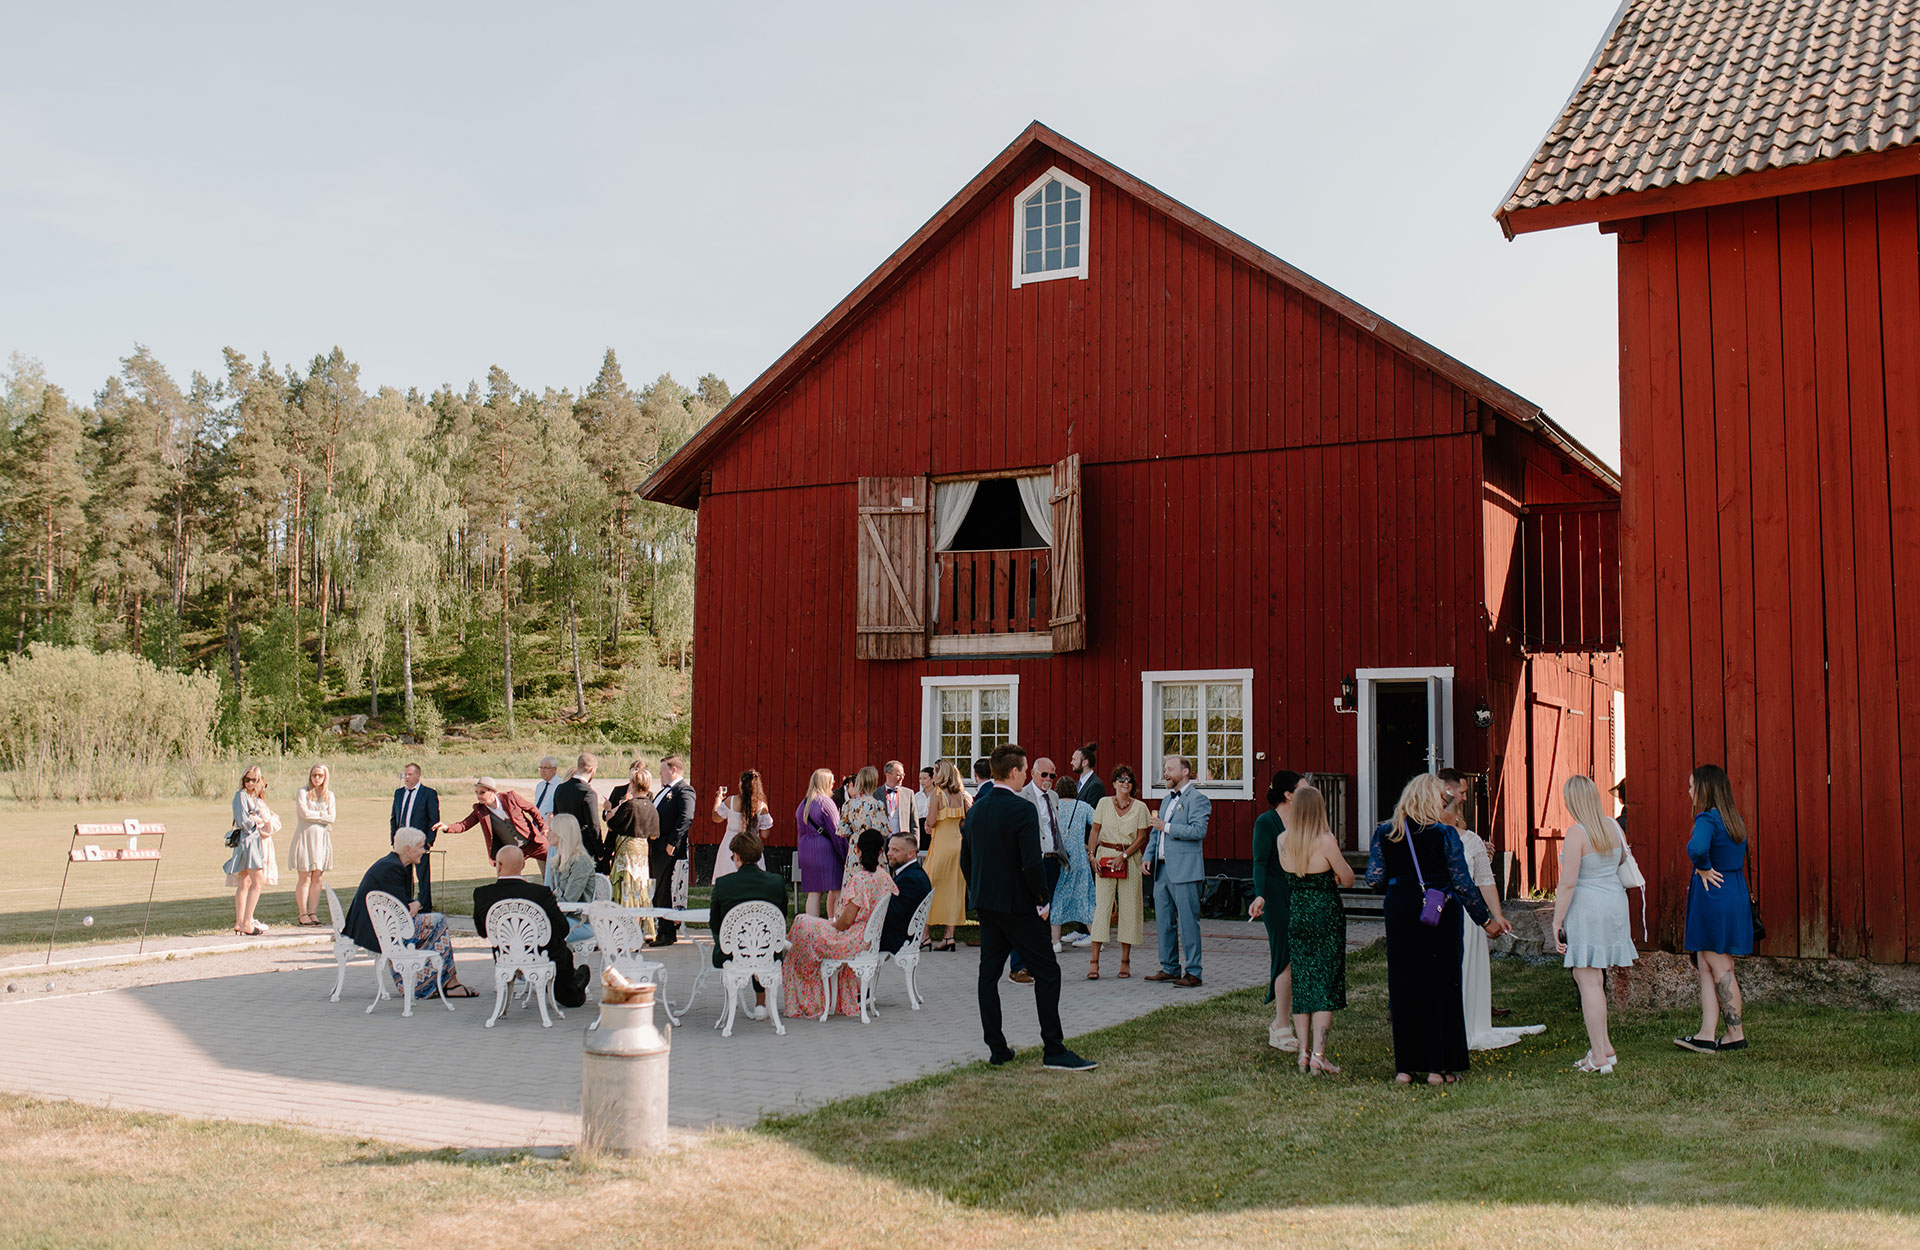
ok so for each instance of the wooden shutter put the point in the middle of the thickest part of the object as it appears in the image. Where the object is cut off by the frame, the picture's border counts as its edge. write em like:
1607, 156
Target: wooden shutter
891, 596
1069, 612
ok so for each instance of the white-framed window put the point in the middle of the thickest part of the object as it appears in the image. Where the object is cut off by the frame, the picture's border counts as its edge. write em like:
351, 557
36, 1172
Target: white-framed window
964, 718
1050, 229
1205, 715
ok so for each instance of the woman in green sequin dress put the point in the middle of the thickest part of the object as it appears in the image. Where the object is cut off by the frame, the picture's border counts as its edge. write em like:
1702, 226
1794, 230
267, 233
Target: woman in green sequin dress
1316, 869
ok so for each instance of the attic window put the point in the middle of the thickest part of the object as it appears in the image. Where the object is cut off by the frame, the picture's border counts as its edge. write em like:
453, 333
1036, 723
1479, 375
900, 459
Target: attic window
1050, 229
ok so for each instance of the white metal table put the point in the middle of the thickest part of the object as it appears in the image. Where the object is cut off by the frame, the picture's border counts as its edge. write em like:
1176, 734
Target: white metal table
679, 915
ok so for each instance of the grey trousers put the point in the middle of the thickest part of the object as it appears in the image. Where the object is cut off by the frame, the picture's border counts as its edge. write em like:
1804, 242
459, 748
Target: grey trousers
1177, 903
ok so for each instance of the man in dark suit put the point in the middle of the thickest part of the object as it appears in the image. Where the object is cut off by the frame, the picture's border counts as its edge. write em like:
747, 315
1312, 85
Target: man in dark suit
914, 886
747, 883
569, 982
575, 798
1084, 763
675, 803
417, 807
1000, 857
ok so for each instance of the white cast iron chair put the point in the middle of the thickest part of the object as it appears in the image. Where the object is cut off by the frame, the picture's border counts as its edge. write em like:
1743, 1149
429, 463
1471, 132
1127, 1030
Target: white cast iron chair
394, 927
344, 947
908, 956
623, 945
519, 930
751, 936
863, 964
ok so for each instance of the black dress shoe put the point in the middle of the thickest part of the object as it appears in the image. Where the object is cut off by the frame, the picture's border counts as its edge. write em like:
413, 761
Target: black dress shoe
1067, 1061
1000, 1057
1722, 1046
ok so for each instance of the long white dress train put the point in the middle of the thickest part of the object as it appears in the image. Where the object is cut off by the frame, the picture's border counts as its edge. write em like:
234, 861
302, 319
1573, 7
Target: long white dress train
1476, 964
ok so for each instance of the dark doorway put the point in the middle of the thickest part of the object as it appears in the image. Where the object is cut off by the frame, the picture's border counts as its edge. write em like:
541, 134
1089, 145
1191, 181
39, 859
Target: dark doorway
997, 521
1400, 743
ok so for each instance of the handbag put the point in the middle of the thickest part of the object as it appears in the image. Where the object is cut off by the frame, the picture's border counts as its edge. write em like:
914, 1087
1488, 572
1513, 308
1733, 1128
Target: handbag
1631, 878
1109, 867
1759, 925
233, 837
1433, 901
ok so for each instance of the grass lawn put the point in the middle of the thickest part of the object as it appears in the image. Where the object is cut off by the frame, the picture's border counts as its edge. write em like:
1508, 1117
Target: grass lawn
1190, 1110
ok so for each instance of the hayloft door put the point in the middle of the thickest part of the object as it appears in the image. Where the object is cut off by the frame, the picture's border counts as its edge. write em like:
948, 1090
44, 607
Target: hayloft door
1068, 615
890, 590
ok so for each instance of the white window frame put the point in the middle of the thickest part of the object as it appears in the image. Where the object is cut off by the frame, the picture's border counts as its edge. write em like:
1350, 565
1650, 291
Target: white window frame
930, 688
1150, 729
1439, 755
1020, 277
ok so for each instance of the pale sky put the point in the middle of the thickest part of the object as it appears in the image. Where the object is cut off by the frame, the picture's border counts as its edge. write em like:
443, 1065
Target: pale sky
441, 188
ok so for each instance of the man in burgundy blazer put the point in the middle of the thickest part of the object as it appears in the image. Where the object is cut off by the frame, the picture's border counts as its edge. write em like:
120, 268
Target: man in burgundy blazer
505, 818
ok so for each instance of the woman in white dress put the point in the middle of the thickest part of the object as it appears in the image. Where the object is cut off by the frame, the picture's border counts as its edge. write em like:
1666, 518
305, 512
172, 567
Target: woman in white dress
727, 811
1591, 928
311, 855
1476, 962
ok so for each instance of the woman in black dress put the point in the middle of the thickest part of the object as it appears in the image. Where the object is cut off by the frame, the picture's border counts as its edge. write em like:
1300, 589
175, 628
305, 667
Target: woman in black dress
1413, 853
1271, 892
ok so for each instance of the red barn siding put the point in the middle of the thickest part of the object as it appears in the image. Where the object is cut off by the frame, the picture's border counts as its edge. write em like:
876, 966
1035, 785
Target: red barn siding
1266, 486
1771, 442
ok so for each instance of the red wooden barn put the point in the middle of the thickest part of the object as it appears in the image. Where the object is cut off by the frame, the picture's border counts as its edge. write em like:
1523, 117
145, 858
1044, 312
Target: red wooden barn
1078, 463
1756, 165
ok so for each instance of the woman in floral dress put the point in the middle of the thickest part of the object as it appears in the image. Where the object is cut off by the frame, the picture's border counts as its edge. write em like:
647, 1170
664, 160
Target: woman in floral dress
1073, 897
863, 812
816, 938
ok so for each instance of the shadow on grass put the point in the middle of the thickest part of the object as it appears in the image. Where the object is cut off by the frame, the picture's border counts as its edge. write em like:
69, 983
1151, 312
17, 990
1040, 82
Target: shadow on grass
1190, 1110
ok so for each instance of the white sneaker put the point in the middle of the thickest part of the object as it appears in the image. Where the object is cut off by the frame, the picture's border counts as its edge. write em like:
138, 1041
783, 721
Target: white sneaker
1056, 948
1081, 939
1282, 1039
756, 1013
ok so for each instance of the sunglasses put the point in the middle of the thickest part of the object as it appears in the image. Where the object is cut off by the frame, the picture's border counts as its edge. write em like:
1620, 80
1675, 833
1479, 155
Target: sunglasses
1047, 774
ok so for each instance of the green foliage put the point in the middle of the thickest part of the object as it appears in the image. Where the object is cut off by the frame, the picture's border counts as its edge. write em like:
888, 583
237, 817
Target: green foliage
429, 723
160, 640
649, 708
76, 724
279, 703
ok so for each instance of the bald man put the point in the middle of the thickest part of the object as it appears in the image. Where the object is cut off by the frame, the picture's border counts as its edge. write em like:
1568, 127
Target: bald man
569, 982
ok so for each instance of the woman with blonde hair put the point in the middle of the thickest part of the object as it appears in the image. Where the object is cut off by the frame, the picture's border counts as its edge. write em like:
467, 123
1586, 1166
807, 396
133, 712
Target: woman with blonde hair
251, 840
946, 811
1417, 856
821, 850
311, 855
572, 868
863, 812
1719, 908
1316, 923
1591, 927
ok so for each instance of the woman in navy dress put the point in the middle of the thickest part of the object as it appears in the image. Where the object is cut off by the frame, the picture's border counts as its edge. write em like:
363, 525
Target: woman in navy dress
1423, 961
1719, 909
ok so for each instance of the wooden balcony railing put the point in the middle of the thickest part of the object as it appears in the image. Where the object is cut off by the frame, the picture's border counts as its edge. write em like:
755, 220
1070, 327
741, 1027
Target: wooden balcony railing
992, 592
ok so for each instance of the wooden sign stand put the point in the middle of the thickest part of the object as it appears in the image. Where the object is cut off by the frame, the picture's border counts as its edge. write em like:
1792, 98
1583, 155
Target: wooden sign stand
77, 853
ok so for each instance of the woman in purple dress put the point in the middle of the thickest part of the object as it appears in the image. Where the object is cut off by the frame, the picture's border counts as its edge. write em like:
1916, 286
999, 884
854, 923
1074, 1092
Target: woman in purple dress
821, 849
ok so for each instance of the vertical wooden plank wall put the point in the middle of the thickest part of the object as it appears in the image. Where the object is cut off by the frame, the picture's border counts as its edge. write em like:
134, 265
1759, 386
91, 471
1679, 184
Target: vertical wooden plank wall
1770, 376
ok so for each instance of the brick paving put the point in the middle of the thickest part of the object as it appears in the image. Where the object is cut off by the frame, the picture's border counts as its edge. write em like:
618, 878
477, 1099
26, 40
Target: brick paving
267, 1046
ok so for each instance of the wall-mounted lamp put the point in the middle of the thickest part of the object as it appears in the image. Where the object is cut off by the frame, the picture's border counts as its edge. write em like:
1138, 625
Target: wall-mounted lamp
1348, 698
1482, 715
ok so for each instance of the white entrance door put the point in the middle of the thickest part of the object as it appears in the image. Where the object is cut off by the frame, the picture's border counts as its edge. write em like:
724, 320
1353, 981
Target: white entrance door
1406, 728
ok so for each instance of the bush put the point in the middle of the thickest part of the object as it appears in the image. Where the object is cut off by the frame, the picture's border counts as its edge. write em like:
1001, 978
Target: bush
429, 723
79, 725
648, 710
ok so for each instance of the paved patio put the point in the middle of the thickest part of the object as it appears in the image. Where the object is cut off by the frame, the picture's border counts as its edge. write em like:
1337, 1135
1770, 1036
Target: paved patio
267, 1046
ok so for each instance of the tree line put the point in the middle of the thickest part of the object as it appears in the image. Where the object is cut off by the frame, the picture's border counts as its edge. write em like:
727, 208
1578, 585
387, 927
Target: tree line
310, 541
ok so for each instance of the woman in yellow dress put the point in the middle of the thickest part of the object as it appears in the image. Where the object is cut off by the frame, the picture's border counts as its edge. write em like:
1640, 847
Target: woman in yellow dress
1118, 836
945, 810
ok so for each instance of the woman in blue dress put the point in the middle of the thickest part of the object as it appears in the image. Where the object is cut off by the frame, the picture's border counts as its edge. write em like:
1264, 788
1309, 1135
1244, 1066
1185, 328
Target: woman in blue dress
1719, 909
1073, 896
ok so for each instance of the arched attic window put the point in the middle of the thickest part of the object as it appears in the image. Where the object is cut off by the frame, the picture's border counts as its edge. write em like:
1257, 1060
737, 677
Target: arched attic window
1050, 229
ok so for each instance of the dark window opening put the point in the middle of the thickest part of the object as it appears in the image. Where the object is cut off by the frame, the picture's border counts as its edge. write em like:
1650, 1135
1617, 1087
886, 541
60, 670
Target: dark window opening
997, 521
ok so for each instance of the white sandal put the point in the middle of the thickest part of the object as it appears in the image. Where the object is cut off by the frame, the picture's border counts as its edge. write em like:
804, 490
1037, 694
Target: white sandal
1586, 1064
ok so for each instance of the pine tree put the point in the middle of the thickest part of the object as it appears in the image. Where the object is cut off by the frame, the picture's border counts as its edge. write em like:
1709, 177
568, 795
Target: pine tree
142, 415
325, 403
44, 494
622, 445
504, 469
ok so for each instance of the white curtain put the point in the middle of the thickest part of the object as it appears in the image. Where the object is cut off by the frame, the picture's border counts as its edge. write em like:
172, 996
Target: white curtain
951, 500
1037, 494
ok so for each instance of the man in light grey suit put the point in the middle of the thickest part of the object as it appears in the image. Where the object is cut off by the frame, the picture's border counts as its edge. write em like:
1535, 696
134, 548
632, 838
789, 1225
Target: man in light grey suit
1178, 866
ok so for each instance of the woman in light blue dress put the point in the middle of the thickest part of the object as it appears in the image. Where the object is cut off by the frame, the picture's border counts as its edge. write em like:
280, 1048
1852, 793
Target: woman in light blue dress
253, 821
1590, 923
1073, 895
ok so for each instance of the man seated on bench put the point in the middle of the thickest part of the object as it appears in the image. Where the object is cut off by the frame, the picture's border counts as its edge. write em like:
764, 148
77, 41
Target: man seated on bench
914, 885
747, 883
569, 982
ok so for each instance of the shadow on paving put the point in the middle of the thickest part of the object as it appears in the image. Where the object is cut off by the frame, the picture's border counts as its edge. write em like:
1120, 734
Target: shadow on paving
1191, 1110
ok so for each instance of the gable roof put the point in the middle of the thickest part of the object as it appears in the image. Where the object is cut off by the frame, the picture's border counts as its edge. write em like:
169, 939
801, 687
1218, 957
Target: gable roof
678, 480
1682, 92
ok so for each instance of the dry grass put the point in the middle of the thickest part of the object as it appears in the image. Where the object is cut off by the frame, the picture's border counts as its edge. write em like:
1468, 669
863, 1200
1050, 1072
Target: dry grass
84, 1177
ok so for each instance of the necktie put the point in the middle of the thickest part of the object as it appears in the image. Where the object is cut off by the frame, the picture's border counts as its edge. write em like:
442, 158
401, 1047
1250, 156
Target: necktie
1053, 825
406, 817
542, 796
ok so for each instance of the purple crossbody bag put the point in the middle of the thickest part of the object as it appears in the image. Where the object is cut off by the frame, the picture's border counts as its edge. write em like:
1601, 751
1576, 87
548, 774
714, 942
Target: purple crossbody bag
1433, 901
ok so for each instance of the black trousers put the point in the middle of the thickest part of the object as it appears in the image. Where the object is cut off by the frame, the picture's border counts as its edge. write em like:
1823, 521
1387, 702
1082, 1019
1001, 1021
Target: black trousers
1003, 933
661, 866
565, 992
1051, 867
